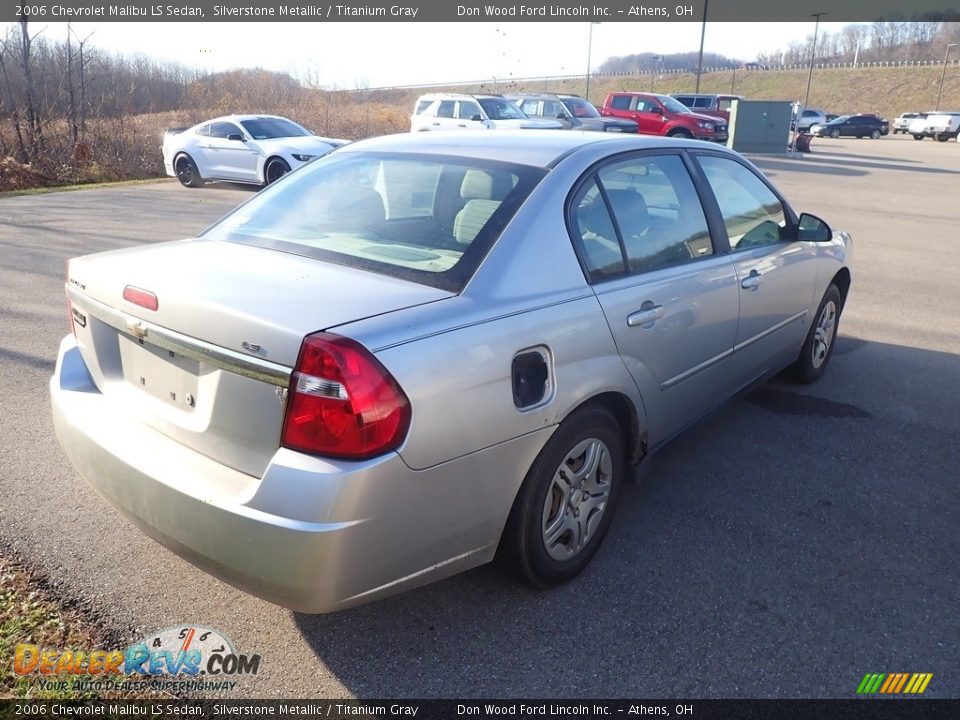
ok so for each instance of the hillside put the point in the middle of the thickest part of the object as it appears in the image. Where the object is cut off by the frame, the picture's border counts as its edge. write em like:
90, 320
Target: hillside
888, 91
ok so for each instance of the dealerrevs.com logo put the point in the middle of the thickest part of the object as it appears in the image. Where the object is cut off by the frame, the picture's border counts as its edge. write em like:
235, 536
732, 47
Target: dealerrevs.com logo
180, 658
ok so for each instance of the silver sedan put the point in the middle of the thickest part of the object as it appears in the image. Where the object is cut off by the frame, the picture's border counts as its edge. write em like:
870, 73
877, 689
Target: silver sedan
426, 351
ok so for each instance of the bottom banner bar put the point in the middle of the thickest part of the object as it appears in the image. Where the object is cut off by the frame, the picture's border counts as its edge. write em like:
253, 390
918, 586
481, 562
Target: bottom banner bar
872, 709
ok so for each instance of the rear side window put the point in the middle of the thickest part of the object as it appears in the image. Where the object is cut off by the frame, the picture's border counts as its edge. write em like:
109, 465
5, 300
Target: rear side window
620, 102
430, 219
446, 109
752, 214
647, 209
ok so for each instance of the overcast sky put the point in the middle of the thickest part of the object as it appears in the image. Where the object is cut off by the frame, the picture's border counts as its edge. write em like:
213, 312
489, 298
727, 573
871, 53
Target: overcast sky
374, 54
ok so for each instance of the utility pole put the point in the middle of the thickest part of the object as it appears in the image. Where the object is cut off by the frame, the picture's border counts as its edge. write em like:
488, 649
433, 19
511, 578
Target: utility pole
589, 57
943, 73
813, 55
703, 32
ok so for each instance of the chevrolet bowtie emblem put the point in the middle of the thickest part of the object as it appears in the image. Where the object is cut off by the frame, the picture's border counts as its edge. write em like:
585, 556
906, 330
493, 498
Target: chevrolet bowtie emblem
137, 328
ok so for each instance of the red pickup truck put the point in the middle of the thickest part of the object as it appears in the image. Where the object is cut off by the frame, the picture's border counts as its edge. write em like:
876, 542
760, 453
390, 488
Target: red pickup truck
663, 115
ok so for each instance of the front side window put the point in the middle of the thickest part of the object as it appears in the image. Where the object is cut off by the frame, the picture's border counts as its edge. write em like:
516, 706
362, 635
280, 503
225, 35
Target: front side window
753, 215
223, 130
501, 109
640, 215
580, 108
468, 110
429, 219
266, 128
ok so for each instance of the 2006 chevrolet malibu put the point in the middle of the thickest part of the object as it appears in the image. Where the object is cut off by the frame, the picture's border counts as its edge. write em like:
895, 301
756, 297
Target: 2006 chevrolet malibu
424, 351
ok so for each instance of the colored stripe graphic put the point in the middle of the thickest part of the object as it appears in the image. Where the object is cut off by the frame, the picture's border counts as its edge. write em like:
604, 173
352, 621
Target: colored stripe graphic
894, 683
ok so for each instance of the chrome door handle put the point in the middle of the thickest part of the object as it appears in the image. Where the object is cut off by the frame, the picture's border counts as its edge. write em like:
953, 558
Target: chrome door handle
647, 314
751, 281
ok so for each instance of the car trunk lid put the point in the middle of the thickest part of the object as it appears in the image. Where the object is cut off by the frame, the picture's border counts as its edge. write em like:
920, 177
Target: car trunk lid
209, 366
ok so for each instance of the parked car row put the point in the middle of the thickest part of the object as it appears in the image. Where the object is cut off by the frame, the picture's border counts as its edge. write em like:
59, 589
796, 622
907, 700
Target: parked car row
623, 112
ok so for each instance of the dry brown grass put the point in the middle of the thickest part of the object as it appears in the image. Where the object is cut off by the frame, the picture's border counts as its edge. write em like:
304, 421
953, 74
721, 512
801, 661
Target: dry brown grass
129, 147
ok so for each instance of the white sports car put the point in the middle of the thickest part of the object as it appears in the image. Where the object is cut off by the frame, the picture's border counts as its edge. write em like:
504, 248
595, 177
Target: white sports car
256, 149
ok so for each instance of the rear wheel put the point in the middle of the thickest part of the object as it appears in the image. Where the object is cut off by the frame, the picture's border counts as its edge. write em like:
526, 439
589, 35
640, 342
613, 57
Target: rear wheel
917, 137
567, 500
275, 169
941, 137
875, 134
818, 347
187, 172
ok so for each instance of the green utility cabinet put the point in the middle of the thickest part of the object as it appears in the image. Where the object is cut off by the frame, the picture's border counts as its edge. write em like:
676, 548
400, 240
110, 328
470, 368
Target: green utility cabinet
759, 126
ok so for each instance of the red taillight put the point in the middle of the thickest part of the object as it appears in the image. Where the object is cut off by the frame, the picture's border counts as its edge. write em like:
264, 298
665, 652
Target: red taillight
138, 296
343, 402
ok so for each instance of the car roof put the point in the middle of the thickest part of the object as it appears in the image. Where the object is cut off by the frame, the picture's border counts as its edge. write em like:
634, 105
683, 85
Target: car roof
457, 96
536, 148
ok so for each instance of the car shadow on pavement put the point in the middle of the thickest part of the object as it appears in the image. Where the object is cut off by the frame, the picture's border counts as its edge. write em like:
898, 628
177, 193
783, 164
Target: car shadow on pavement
830, 164
797, 528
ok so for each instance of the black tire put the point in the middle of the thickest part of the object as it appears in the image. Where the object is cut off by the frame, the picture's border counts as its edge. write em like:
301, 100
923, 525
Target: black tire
813, 360
917, 137
682, 134
187, 172
834, 134
274, 169
941, 137
875, 135
523, 545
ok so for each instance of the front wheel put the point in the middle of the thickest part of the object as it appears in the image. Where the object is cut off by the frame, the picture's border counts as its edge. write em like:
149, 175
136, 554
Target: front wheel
682, 134
875, 135
567, 500
834, 134
275, 169
187, 172
818, 347
917, 137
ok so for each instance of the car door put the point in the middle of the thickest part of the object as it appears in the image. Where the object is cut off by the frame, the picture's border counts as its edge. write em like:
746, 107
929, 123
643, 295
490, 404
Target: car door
556, 110
670, 300
649, 116
228, 157
469, 115
776, 274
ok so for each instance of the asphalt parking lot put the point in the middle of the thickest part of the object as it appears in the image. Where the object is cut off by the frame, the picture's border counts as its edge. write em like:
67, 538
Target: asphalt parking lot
794, 541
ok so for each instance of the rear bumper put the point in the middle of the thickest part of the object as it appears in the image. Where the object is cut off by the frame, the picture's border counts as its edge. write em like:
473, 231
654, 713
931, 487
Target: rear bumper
313, 535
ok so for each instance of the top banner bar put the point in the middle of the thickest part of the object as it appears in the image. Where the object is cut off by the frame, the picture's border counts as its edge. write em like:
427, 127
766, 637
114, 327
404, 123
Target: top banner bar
476, 11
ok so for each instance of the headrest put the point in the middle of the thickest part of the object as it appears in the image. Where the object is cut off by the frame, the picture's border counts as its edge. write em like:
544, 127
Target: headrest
481, 185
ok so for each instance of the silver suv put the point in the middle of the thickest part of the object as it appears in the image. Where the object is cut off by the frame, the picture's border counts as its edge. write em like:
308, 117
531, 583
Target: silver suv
447, 111
575, 112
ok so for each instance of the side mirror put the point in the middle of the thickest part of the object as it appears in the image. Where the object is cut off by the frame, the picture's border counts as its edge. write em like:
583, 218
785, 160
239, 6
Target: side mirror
812, 229
476, 118
235, 136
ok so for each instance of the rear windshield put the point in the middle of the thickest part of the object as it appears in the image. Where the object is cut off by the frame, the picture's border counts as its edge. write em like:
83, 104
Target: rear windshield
426, 218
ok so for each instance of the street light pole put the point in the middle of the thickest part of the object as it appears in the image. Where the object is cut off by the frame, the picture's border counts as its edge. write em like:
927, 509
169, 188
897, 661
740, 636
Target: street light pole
813, 55
703, 33
943, 74
589, 57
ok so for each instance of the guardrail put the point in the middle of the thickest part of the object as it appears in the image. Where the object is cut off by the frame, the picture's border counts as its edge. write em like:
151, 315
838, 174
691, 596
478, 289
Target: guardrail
495, 81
